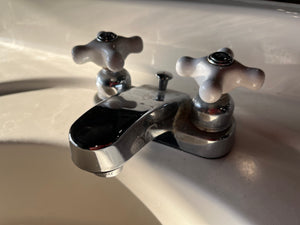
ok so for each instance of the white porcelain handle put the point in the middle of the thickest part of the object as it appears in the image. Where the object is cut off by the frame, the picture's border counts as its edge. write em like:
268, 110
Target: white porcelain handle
218, 74
108, 50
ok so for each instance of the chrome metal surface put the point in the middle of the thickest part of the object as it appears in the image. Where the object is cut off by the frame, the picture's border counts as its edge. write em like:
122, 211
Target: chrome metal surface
220, 59
109, 134
106, 36
105, 137
110, 83
212, 117
163, 79
109, 174
198, 142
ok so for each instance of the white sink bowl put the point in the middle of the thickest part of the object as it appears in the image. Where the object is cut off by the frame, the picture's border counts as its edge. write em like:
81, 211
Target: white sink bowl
41, 186
42, 92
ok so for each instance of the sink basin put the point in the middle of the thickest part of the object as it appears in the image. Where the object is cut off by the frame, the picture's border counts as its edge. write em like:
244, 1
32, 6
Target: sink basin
42, 92
40, 185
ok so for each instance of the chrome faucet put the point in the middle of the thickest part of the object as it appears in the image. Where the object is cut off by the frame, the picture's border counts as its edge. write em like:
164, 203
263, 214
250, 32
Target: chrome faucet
110, 133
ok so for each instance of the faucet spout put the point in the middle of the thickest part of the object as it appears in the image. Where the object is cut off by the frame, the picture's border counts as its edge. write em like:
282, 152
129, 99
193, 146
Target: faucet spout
110, 133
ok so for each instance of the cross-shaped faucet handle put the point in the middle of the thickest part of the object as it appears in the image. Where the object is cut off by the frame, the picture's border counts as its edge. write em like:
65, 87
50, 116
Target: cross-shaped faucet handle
107, 50
218, 74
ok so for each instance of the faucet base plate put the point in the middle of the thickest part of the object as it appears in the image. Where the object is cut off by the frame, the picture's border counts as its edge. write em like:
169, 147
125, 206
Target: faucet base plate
201, 143
207, 145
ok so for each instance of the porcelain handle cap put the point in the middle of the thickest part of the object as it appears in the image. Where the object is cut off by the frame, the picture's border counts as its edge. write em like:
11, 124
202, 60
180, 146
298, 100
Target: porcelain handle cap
218, 74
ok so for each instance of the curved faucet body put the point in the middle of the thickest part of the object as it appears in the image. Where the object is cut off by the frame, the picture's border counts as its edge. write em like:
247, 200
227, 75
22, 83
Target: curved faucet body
110, 133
